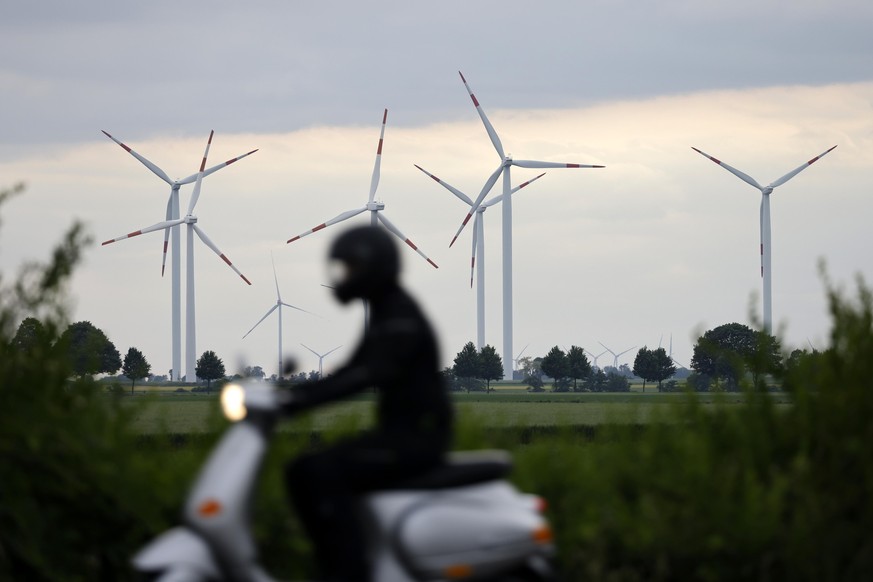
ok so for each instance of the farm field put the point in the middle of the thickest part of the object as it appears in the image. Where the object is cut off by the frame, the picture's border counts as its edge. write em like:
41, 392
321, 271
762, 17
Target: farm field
189, 413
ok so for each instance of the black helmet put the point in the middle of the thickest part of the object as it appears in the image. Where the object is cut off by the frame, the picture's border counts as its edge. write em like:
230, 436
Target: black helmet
369, 264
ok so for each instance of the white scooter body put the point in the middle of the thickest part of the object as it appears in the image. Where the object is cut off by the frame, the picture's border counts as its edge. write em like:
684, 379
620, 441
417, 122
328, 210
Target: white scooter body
480, 530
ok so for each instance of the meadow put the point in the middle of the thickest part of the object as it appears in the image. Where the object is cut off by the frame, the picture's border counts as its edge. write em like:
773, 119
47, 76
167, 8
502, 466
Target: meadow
184, 412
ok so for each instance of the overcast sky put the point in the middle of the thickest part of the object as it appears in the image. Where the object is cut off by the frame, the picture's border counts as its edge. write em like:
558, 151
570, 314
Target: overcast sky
659, 242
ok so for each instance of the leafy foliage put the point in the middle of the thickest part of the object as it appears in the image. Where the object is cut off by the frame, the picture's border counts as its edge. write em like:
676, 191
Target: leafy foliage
209, 367
135, 366
490, 365
74, 499
555, 364
653, 365
578, 365
731, 350
88, 349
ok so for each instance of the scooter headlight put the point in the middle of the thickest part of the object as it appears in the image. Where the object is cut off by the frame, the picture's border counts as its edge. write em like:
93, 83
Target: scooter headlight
233, 402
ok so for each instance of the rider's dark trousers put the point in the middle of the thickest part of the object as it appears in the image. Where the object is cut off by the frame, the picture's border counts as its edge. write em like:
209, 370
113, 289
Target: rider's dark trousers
325, 487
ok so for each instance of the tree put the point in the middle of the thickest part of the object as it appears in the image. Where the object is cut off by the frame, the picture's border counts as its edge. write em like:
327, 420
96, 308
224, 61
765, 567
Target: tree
209, 367
596, 382
616, 383
467, 366
644, 365
89, 350
490, 366
555, 365
254, 372
135, 366
578, 366
654, 365
532, 375
31, 335
730, 350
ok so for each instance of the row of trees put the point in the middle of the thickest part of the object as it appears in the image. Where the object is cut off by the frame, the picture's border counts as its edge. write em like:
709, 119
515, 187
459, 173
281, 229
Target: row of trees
723, 358
88, 352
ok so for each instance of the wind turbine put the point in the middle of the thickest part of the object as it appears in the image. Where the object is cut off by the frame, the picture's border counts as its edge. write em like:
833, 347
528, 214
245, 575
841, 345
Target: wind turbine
191, 221
279, 304
765, 222
320, 358
376, 208
175, 266
478, 248
614, 355
516, 358
506, 161
594, 358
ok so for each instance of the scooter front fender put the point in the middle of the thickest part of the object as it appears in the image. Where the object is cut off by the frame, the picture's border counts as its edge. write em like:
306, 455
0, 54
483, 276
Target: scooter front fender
178, 549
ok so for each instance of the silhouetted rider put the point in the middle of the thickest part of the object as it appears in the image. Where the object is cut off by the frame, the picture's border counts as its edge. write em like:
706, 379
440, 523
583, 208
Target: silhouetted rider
398, 355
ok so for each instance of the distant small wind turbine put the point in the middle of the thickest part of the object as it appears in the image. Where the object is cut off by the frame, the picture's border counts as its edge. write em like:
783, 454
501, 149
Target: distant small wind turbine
518, 357
614, 355
279, 304
321, 358
191, 221
594, 358
478, 247
175, 265
765, 222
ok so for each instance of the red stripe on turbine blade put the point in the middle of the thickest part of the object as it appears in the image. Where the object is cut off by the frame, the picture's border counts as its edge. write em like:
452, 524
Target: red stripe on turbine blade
137, 233
319, 227
244, 279
165, 247
467, 219
291, 240
379, 149
453, 241
462, 76
106, 243
475, 101
384, 117
435, 266
211, 132
226, 260
572, 165
410, 243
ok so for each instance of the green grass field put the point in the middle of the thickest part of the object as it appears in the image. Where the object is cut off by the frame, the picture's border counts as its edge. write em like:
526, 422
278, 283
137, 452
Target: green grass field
187, 413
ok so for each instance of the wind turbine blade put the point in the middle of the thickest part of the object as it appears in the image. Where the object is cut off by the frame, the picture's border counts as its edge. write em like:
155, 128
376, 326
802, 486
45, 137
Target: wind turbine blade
390, 226
626, 351
535, 164
166, 234
275, 278
473, 254
152, 228
607, 349
157, 171
214, 248
311, 350
497, 199
298, 308
485, 189
488, 127
374, 181
331, 351
215, 168
334, 220
796, 171
448, 186
741, 175
196, 194
272, 309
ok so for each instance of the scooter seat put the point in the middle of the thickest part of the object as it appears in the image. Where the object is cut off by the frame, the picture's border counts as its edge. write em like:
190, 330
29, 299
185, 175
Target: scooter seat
462, 468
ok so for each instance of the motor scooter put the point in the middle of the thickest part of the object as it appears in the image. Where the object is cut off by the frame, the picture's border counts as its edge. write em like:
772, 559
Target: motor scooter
460, 521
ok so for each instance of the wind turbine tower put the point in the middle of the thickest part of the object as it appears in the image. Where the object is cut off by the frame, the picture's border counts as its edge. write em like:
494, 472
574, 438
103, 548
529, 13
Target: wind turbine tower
765, 223
175, 264
506, 162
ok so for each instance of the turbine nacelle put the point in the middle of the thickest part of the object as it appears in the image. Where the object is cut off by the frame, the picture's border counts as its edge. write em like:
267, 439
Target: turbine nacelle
767, 190
375, 206
189, 219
